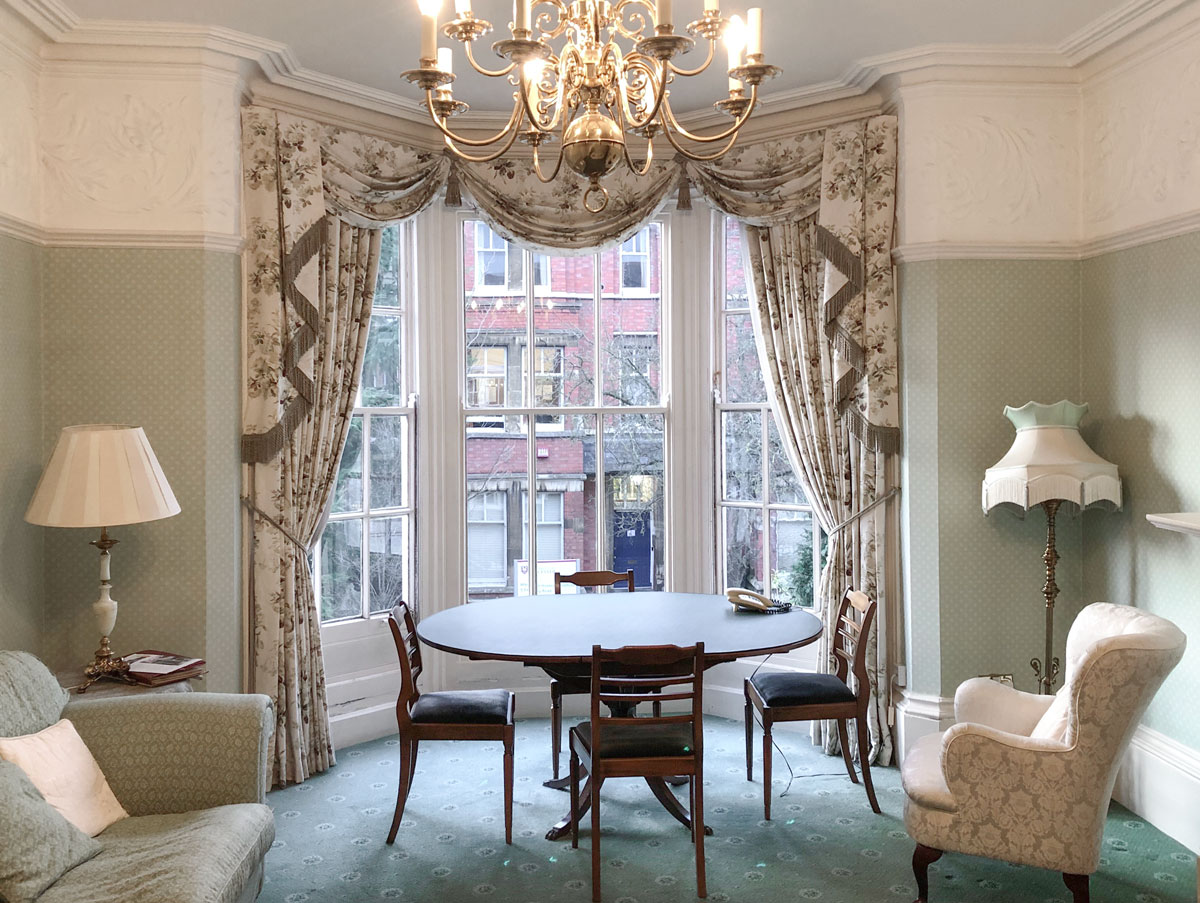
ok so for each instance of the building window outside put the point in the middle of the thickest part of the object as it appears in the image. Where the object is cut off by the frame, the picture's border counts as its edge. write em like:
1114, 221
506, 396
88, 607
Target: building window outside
497, 268
635, 261
487, 538
576, 425
371, 496
770, 542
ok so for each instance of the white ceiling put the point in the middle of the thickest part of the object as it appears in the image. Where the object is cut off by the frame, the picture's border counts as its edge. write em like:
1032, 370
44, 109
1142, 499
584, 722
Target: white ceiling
372, 41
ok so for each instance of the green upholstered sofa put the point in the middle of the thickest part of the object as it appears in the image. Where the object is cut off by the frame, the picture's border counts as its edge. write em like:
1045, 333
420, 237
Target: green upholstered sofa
191, 770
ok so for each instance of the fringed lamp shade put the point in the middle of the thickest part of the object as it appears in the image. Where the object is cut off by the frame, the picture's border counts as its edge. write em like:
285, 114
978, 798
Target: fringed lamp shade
1050, 461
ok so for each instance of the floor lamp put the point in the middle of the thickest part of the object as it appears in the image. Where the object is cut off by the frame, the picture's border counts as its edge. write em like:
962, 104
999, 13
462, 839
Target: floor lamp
102, 475
1049, 464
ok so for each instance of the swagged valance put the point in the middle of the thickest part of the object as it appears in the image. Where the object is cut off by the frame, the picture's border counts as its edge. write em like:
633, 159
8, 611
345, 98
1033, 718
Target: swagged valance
298, 171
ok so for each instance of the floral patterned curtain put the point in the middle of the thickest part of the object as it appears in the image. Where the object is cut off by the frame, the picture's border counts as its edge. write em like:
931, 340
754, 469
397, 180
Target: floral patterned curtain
316, 196
825, 324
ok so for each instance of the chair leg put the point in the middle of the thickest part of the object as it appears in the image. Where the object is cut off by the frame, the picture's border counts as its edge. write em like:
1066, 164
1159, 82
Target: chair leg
923, 857
749, 734
408, 762
1078, 886
698, 833
555, 729
574, 800
767, 769
508, 785
864, 761
595, 840
844, 739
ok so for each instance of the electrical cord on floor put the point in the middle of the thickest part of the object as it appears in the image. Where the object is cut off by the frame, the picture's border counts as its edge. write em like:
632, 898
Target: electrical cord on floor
791, 774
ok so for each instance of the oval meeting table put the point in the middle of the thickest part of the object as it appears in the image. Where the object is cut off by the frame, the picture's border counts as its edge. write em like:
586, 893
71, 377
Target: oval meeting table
556, 634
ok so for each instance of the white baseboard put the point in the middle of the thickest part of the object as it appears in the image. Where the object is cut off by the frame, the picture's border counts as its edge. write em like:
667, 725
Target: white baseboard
1159, 781
918, 714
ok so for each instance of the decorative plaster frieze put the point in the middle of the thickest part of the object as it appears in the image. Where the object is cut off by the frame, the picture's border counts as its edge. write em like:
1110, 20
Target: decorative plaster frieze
1141, 142
989, 164
123, 154
19, 170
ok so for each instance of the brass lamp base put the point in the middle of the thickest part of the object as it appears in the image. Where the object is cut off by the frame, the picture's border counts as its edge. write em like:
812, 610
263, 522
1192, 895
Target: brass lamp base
105, 665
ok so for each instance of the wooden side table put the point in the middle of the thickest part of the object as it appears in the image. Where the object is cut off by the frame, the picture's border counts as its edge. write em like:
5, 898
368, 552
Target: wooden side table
73, 677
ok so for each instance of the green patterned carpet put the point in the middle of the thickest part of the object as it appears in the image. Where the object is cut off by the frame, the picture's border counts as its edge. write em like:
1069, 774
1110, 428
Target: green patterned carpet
824, 843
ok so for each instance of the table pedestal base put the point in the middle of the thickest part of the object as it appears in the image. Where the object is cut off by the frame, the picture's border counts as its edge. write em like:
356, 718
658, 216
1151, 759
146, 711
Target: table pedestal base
658, 786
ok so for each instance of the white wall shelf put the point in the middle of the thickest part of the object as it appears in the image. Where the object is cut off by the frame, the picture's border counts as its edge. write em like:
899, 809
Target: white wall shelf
1187, 522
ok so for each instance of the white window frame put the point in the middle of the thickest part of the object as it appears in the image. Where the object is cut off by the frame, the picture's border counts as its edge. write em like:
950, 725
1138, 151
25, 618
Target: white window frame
547, 420
493, 419
368, 513
765, 505
597, 409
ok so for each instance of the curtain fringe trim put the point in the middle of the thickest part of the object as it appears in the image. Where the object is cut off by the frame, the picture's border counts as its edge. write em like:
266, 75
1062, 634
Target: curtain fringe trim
873, 436
259, 448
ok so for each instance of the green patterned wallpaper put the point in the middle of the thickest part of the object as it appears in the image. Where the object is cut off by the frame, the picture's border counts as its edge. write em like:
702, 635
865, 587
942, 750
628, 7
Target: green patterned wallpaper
977, 335
150, 337
1141, 373
21, 596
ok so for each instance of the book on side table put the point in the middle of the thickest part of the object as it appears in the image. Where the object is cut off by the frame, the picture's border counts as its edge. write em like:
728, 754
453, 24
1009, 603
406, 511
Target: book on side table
153, 668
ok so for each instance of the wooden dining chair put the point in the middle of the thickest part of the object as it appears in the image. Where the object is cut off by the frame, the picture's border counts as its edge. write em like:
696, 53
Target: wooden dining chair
623, 745
560, 687
791, 696
446, 715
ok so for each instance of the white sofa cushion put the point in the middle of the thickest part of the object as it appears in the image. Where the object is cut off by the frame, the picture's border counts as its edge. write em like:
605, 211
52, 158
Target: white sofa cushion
60, 765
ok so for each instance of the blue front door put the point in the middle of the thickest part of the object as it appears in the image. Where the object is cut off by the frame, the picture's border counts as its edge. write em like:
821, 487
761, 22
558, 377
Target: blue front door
632, 545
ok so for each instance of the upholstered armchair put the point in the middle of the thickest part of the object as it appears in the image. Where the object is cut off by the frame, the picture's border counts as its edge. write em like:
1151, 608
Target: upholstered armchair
1027, 778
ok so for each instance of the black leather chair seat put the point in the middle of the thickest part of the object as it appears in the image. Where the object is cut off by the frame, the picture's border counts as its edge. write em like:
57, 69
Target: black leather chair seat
632, 741
779, 689
462, 707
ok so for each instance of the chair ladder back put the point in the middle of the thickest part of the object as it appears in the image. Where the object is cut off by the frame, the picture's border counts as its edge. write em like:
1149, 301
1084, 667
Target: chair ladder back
850, 642
643, 670
408, 650
593, 579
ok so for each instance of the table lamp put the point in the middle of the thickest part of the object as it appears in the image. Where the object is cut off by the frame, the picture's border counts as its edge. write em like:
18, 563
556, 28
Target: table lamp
102, 475
1048, 464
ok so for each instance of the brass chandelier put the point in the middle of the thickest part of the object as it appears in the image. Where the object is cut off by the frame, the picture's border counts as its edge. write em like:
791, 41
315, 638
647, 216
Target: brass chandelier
588, 93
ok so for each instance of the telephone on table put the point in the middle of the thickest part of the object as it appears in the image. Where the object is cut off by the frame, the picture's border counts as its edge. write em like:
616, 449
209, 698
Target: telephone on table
749, 600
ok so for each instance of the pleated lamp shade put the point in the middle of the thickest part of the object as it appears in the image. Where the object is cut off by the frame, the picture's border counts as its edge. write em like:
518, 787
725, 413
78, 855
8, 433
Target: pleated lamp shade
1050, 461
101, 475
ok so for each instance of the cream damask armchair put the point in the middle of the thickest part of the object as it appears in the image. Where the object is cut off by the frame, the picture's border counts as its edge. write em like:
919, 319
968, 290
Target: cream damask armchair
1028, 778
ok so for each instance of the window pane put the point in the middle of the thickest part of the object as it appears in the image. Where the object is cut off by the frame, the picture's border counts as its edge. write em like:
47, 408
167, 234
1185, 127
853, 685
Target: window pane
743, 375
497, 475
387, 284
348, 490
381, 377
792, 562
341, 570
743, 455
564, 324
785, 487
566, 500
736, 283
631, 327
389, 443
743, 548
386, 560
634, 456
487, 384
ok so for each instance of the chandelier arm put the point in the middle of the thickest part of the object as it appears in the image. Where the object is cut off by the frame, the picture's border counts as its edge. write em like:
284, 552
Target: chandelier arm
639, 61
563, 18
732, 131
537, 165
649, 158
535, 121
485, 158
510, 129
690, 154
645, 18
712, 46
493, 73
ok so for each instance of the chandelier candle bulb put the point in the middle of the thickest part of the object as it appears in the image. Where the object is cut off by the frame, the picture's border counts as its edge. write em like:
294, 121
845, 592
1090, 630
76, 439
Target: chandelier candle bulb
735, 40
462, 8
429, 14
664, 12
754, 32
711, 6
520, 15
445, 60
